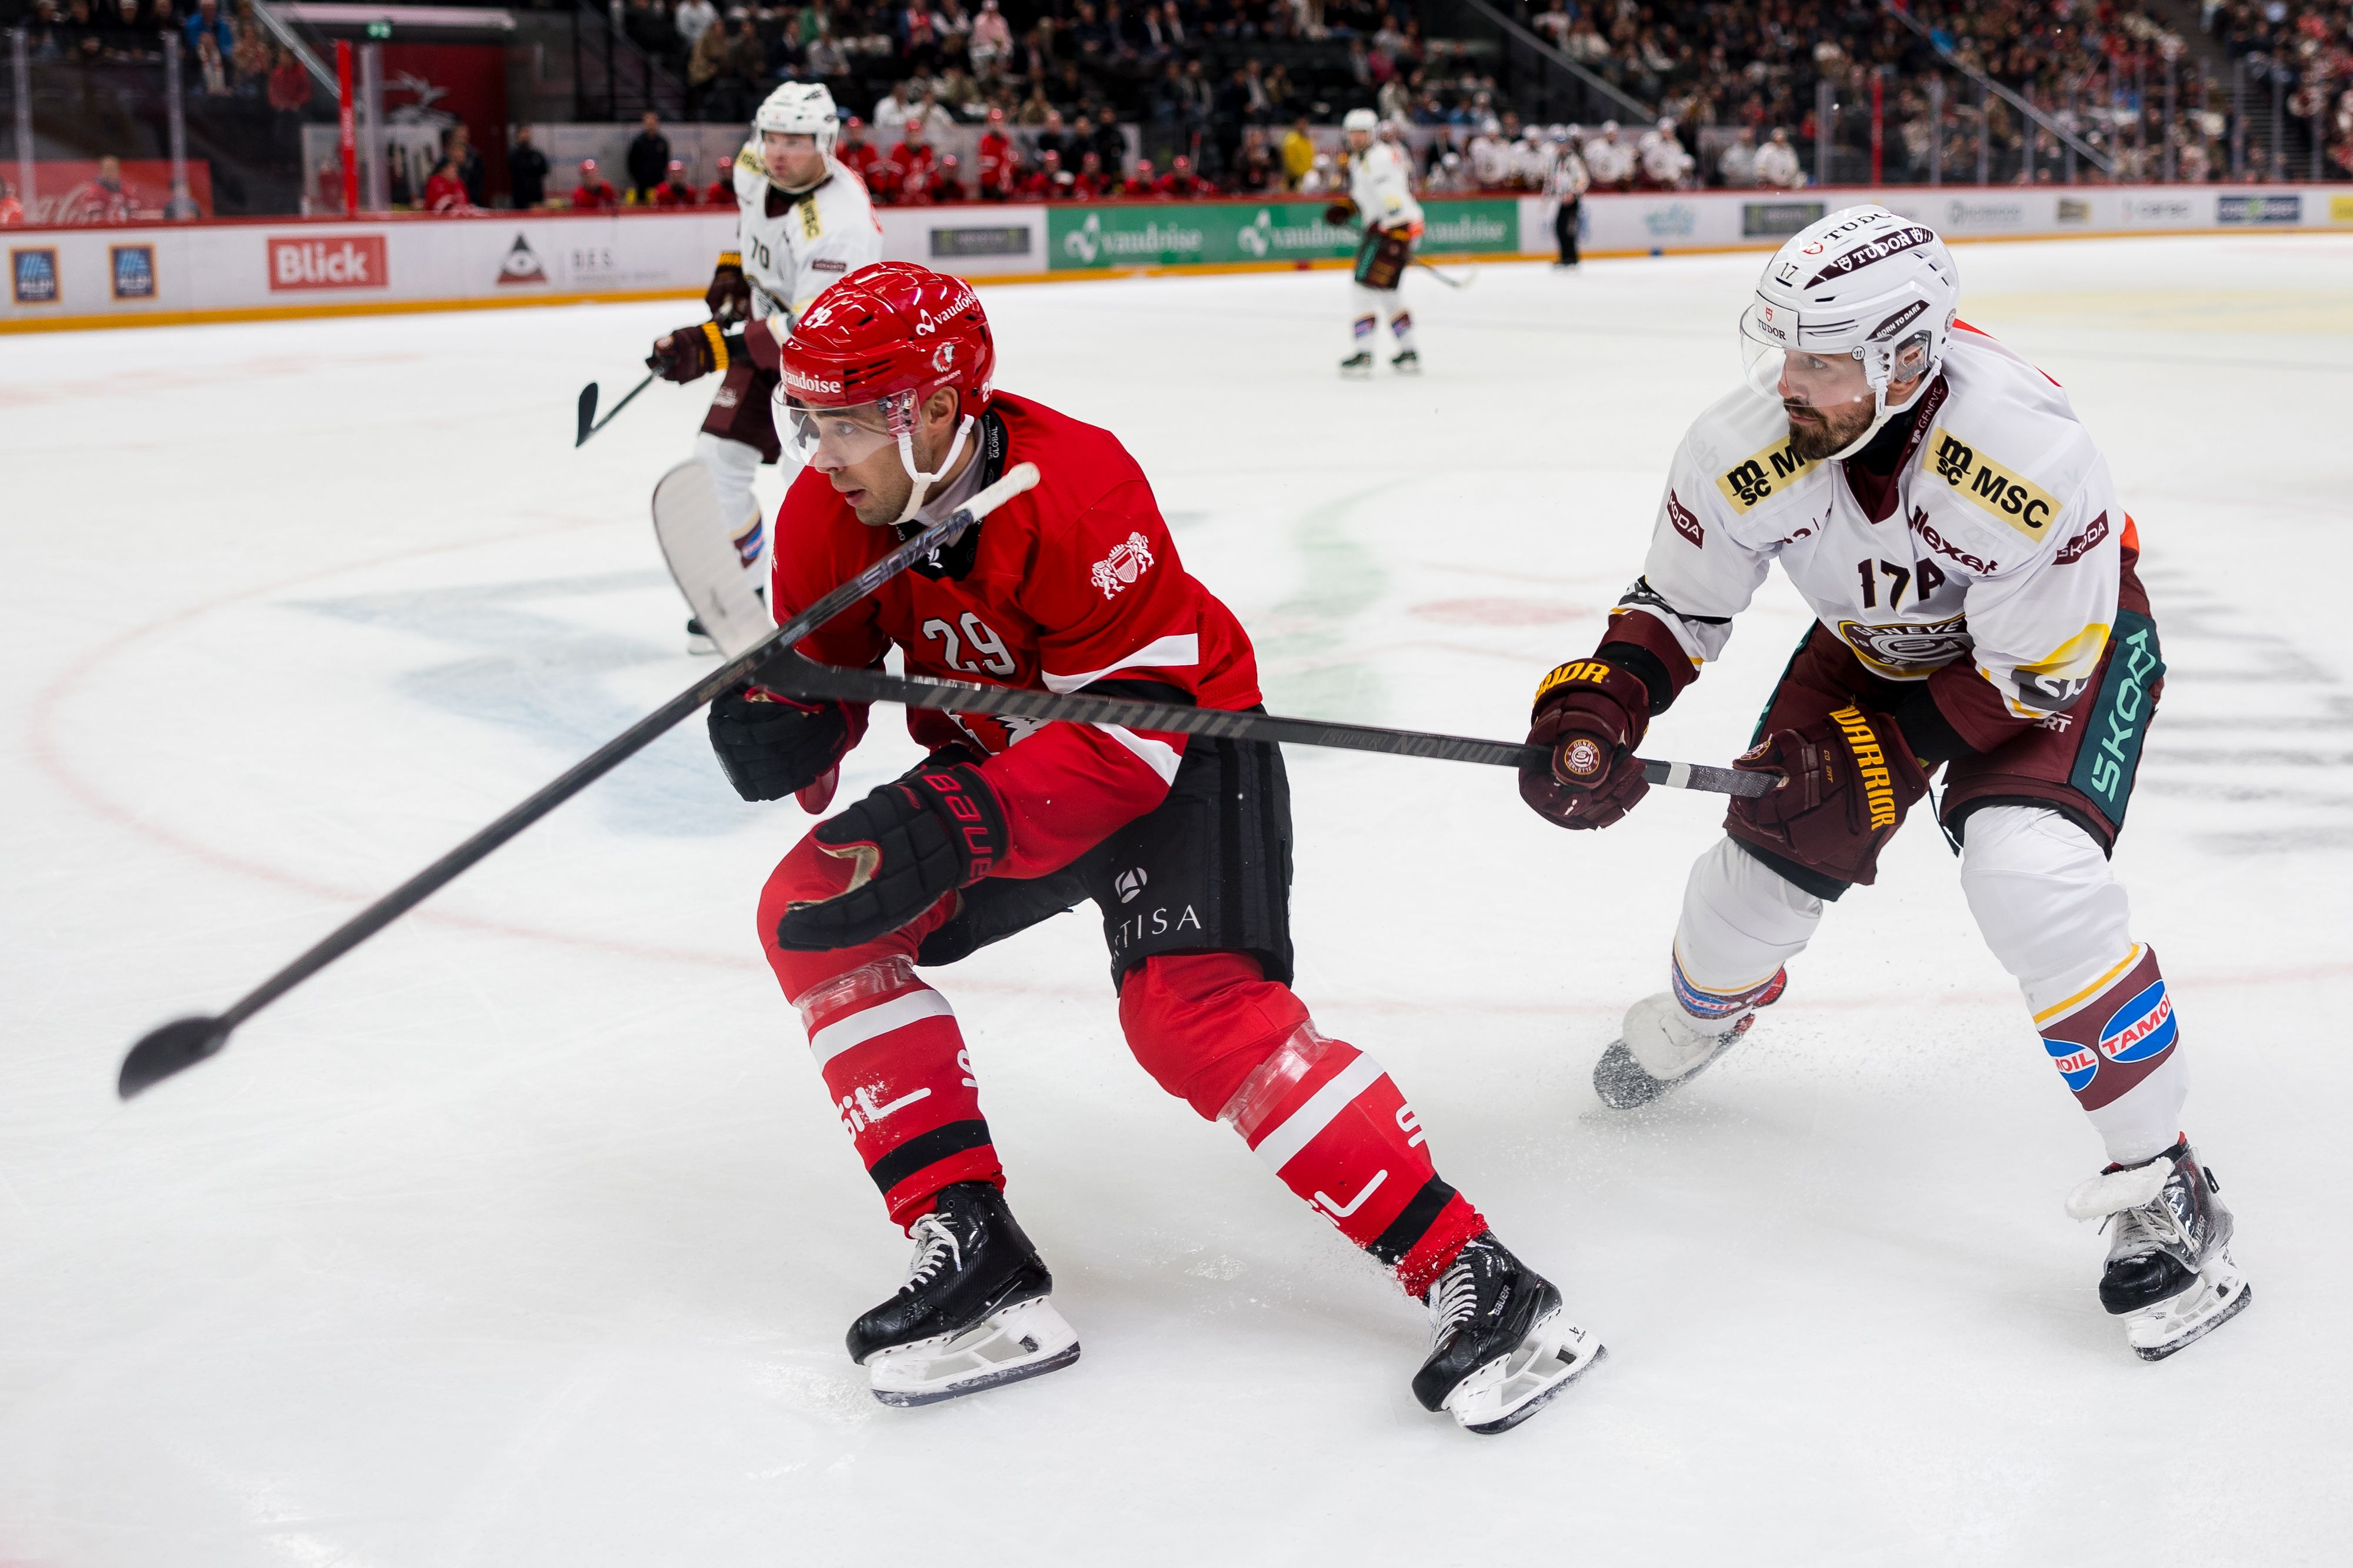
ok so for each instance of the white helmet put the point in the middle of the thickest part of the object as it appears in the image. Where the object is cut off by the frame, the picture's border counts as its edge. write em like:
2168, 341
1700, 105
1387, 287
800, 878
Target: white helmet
1862, 283
1361, 120
800, 109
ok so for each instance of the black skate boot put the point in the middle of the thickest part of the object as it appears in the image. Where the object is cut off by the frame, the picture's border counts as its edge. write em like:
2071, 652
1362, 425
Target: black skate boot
699, 641
1407, 363
2170, 1274
974, 1312
1500, 1346
1660, 1047
1357, 363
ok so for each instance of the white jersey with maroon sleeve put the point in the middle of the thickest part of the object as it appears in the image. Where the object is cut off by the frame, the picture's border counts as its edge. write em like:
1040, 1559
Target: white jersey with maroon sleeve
2002, 546
1382, 188
794, 246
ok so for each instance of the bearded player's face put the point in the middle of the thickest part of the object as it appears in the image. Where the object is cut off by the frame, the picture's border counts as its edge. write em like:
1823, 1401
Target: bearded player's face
1829, 400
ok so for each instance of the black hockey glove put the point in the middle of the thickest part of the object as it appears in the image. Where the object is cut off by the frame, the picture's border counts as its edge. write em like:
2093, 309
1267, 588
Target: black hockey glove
690, 354
1589, 716
730, 294
908, 845
774, 746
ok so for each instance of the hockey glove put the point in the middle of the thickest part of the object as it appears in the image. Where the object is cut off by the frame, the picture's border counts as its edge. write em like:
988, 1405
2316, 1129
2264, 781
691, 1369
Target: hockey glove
908, 845
773, 746
1846, 781
730, 294
1589, 716
1340, 211
690, 354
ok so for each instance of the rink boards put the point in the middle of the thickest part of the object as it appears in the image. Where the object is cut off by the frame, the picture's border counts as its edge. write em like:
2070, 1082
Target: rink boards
260, 269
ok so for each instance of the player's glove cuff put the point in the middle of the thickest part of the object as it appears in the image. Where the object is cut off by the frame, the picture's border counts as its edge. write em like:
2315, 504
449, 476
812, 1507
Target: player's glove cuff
695, 351
1589, 715
906, 846
730, 294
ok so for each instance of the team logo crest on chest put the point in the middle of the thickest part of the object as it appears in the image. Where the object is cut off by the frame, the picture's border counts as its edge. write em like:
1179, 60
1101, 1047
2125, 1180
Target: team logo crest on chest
1127, 561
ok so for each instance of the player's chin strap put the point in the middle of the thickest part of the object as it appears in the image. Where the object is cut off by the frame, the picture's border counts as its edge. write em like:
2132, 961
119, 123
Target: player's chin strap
924, 481
1879, 419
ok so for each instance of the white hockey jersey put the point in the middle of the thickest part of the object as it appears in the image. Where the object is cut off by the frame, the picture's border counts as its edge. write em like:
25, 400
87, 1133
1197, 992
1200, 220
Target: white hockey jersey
1381, 185
2002, 545
794, 246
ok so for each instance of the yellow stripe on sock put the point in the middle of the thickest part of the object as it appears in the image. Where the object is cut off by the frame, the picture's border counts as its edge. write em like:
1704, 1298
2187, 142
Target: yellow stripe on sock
2093, 989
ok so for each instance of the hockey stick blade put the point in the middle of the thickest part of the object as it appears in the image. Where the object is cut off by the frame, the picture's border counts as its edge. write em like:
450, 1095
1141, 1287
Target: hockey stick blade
797, 677
176, 1047
588, 406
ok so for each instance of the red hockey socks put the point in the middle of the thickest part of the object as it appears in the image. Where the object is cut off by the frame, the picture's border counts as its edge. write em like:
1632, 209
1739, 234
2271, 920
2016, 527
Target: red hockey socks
1322, 1115
894, 1062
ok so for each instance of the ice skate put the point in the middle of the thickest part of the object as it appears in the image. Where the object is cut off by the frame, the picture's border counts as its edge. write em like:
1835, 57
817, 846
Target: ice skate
1359, 364
974, 1311
1407, 363
1660, 1047
2170, 1274
1500, 1346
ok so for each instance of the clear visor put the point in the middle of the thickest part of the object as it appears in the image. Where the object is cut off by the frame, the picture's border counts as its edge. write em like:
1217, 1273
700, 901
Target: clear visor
833, 438
1828, 379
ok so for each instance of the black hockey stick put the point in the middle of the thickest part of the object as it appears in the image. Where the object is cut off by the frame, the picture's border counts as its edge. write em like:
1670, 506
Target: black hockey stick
589, 422
185, 1042
797, 677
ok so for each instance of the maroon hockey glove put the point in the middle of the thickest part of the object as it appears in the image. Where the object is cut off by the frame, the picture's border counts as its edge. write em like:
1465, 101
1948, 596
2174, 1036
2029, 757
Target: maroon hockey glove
1340, 211
773, 746
1589, 716
1846, 781
692, 352
907, 845
730, 294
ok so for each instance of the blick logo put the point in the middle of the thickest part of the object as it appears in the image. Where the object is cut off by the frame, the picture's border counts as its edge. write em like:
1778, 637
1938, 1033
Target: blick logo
336, 261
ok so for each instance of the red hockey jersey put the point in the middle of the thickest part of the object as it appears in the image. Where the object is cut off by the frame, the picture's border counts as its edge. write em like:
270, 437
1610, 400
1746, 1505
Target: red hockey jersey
1074, 583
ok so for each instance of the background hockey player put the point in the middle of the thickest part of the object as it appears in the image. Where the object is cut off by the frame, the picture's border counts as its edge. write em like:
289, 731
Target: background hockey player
1381, 194
804, 222
1972, 571
1183, 846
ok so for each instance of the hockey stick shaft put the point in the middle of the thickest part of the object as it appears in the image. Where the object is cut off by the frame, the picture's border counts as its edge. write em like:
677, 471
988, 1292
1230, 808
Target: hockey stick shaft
587, 401
798, 677
182, 1043
1444, 277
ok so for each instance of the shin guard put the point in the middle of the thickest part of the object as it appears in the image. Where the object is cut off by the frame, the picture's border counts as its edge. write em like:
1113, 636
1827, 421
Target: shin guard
895, 1064
1328, 1120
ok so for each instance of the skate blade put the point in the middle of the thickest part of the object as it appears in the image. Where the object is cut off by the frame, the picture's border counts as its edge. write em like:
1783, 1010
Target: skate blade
1028, 1338
1511, 1388
1413, 369
702, 647
1624, 1084
2161, 1330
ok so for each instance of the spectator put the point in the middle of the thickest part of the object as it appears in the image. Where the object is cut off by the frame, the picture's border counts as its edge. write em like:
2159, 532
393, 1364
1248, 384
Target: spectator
458, 146
1665, 165
648, 158
103, 200
1609, 160
290, 86
1047, 181
1256, 168
676, 191
527, 170
721, 191
445, 192
947, 179
594, 192
855, 154
1138, 186
705, 67
12, 211
1737, 165
212, 65
911, 163
249, 61
1182, 183
1777, 164
890, 112
992, 38
1090, 182
1000, 167
205, 21
693, 19
1298, 154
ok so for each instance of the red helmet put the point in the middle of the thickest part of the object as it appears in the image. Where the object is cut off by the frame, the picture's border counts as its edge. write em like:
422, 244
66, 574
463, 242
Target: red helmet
893, 331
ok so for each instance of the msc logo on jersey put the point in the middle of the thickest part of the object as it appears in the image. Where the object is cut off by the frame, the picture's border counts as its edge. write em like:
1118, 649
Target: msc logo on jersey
1127, 561
1746, 483
2003, 496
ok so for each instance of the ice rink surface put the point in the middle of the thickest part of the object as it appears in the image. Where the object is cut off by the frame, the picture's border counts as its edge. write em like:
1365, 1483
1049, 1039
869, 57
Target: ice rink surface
525, 1235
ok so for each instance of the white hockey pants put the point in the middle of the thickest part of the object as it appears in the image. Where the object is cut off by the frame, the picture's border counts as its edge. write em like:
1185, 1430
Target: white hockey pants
733, 466
2050, 909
